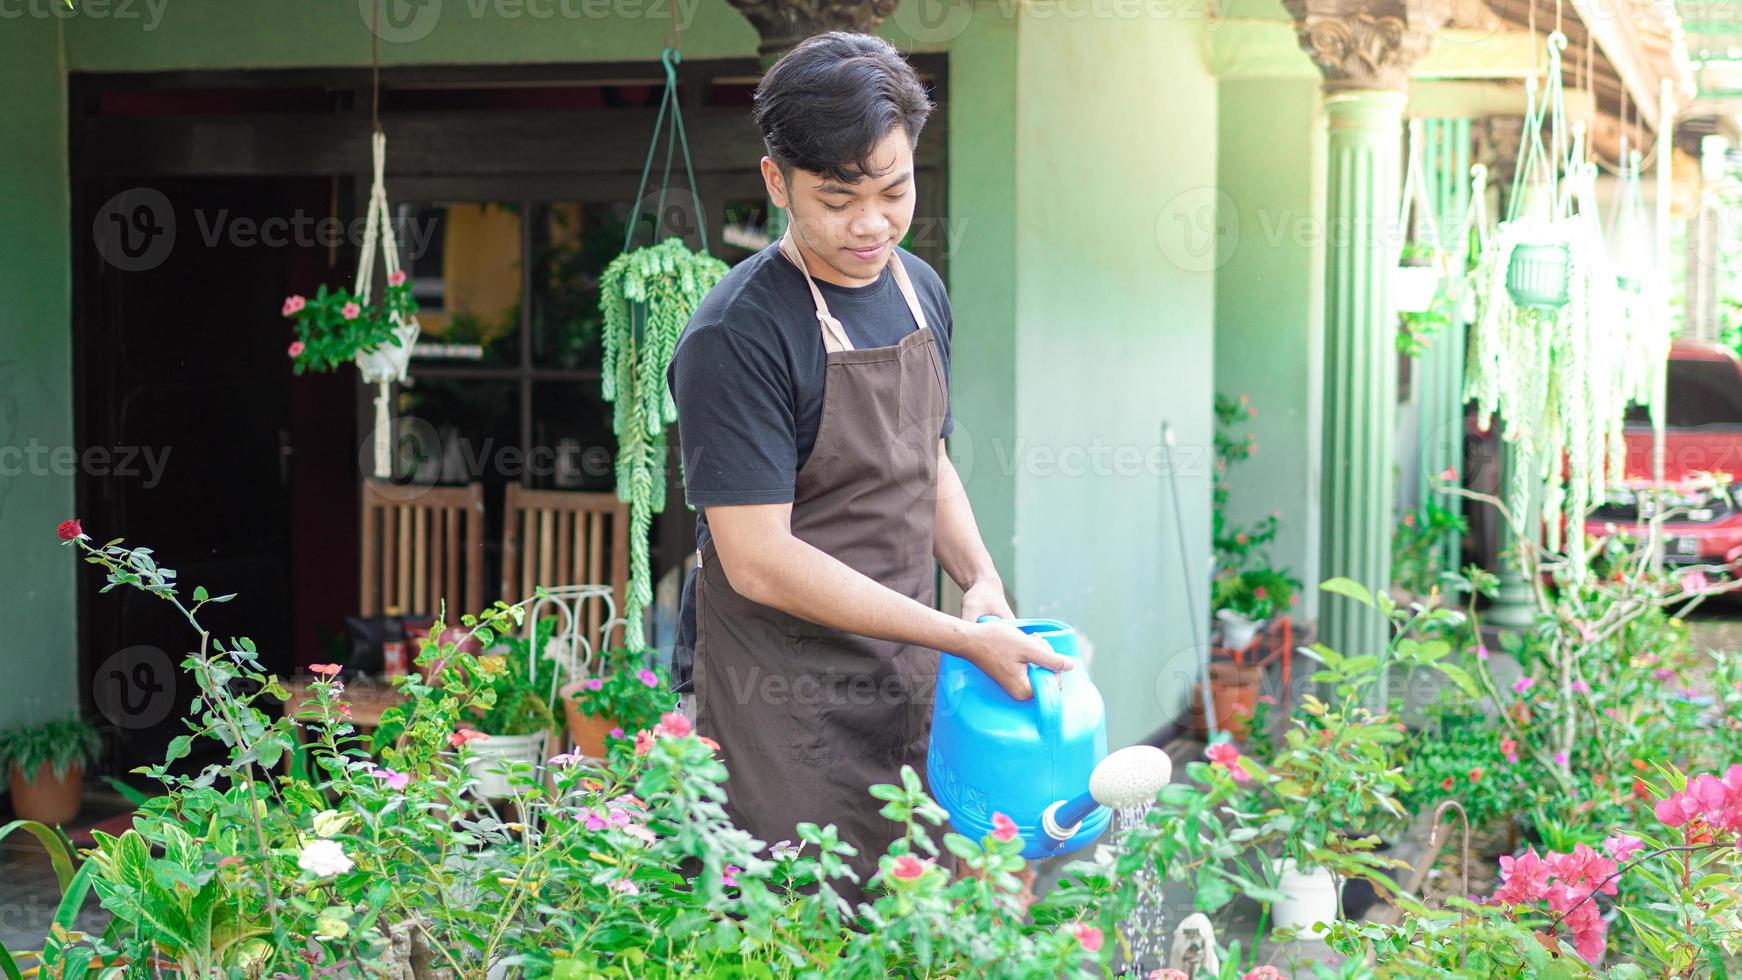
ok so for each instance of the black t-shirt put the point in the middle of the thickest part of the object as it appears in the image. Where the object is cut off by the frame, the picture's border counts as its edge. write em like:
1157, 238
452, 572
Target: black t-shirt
747, 376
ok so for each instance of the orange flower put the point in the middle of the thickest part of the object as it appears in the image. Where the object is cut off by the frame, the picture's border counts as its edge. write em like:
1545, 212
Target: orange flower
1641, 765
325, 670
1447, 784
710, 743
1476, 775
643, 742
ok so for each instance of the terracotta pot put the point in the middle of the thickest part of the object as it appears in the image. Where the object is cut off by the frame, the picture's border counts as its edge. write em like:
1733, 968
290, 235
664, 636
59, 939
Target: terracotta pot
48, 799
1234, 690
587, 732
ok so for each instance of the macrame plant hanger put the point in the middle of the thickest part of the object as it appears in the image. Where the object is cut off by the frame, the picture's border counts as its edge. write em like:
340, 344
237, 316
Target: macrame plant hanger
1415, 192
387, 364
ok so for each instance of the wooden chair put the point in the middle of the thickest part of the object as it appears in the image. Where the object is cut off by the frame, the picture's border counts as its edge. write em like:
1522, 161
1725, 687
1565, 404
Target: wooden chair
422, 545
555, 538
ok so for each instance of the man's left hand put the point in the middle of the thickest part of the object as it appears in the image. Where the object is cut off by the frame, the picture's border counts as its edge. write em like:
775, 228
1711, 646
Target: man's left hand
985, 598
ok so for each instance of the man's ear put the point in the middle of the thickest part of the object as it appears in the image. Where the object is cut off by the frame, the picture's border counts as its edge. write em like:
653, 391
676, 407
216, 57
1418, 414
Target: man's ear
775, 182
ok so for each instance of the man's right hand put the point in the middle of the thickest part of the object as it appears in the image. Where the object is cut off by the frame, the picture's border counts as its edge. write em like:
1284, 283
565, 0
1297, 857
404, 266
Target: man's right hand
1004, 653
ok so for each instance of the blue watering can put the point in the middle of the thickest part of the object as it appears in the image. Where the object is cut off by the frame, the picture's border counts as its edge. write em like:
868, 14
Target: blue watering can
1030, 760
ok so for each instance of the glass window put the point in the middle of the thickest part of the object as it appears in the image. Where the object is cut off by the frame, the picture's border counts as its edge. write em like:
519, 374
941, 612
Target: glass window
463, 261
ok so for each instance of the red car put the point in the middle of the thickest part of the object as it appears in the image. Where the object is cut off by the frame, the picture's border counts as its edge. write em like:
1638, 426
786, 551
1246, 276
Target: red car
1703, 434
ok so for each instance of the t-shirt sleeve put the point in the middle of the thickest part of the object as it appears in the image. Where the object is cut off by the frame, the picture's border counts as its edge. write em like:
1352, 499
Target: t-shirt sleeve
735, 419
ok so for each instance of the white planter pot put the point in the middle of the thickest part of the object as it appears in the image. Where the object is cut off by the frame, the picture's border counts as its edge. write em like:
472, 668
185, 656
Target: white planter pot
1312, 897
389, 361
1237, 630
491, 756
1413, 287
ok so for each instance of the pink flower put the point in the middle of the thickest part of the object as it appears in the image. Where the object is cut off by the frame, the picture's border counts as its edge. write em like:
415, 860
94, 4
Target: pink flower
1088, 935
1168, 973
908, 868
325, 670
1267, 699
625, 886
1560, 758
1265, 972
293, 305
1523, 684
296, 348
1449, 474
1259, 592
1509, 748
350, 311
1622, 846
593, 683
1481, 651
649, 678
643, 742
1409, 520
1580, 687
1003, 828
464, 735
614, 733
394, 779
565, 759
1695, 582
729, 877
397, 278
1663, 675
1586, 633
1225, 755
673, 724
1525, 877
595, 822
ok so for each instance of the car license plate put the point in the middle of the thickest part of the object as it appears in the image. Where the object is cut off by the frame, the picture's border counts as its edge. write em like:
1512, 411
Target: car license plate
1684, 544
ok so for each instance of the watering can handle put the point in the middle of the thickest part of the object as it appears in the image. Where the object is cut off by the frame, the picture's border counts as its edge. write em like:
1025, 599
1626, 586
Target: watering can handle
1047, 698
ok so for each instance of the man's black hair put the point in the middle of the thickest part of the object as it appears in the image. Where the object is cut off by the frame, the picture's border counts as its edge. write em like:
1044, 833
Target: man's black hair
826, 104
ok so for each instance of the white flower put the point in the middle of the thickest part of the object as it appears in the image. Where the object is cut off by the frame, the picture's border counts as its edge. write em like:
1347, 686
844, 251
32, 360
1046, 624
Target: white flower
323, 858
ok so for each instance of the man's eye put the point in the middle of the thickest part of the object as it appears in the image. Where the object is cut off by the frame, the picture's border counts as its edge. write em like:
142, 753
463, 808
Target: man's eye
832, 207
894, 197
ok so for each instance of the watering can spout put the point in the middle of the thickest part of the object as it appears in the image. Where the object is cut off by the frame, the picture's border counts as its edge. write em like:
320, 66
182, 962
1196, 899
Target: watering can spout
1126, 778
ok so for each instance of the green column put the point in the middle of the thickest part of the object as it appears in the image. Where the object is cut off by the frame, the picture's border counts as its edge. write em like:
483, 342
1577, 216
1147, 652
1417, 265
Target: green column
1360, 395
1441, 367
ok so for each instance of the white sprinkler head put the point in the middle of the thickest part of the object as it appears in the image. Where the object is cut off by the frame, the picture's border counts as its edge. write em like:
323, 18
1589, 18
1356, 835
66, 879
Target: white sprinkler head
1130, 776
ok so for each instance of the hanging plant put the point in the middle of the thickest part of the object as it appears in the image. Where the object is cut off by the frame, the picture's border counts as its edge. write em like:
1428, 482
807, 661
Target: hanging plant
1421, 264
1547, 349
340, 326
337, 328
646, 297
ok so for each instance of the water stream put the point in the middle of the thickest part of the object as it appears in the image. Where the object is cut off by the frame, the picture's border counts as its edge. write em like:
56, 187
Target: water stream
1147, 927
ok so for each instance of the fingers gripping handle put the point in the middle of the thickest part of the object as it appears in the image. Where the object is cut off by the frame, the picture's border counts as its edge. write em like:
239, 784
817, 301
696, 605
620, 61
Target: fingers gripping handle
1048, 698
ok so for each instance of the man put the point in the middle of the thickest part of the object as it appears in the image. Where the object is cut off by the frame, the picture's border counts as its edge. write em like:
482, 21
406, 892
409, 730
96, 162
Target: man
813, 403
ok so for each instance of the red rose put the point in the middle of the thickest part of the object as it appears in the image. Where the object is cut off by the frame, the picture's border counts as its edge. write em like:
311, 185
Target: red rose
70, 530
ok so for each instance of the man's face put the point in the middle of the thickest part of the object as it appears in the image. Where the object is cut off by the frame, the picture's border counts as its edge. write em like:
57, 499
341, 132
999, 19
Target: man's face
846, 231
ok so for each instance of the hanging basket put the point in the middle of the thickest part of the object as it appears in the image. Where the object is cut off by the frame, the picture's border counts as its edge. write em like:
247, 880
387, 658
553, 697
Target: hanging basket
389, 362
1538, 275
1413, 287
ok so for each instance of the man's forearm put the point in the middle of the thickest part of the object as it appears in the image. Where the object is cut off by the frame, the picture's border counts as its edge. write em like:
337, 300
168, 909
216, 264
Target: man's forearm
956, 541
799, 579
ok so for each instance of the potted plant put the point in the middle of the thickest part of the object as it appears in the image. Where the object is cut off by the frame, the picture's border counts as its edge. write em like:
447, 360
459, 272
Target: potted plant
337, 327
515, 725
1246, 600
625, 696
46, 767
1416, 280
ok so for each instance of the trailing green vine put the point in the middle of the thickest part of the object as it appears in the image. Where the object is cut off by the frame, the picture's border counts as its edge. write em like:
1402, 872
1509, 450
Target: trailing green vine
646, 296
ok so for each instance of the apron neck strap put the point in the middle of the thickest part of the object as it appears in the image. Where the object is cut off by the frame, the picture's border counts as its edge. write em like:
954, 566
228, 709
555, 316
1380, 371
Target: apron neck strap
834, 334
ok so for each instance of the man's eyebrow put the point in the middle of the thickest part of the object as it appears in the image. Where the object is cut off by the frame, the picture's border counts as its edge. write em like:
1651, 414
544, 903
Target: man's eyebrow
836, 187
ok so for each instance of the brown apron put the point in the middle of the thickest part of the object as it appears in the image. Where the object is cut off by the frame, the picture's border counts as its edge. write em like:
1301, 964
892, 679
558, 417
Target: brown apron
809, 717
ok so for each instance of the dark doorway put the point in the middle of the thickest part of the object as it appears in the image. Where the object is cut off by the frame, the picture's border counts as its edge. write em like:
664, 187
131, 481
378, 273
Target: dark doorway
181, 374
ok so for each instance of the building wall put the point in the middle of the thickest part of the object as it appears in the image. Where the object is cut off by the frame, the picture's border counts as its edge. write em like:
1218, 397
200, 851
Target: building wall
1116, 135
1270, 307
36, 420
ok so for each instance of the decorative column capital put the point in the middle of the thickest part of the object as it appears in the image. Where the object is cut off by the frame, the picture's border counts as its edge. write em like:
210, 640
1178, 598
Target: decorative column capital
784, 23
1367, 44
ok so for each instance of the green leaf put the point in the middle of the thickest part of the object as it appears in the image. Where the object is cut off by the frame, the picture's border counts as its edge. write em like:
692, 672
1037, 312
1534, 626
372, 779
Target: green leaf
200, 593
8, 966
1348, 587
178, 748
961, 846
59, 854
1461, 677
1213, 891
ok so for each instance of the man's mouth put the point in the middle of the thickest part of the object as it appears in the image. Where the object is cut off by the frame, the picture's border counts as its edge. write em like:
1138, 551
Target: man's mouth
869, 253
